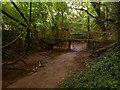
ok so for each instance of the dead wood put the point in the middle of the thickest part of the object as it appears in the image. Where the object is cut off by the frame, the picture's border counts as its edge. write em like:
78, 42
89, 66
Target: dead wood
102, 50
14, 68
14, 62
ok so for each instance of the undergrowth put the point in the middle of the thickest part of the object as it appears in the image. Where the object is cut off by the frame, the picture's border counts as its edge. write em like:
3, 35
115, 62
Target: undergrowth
102, 72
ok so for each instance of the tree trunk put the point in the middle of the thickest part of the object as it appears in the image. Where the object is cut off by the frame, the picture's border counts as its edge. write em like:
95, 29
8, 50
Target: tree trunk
28, 41
97, 9
88, 34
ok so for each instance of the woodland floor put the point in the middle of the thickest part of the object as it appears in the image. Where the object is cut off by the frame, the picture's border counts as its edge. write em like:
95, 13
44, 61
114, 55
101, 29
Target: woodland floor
56, 67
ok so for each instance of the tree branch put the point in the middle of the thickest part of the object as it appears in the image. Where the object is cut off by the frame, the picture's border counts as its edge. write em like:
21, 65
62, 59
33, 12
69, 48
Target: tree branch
13, 41
30, 11
86, 12
96, 17
22, 7
14, 62
12, 18
19, 11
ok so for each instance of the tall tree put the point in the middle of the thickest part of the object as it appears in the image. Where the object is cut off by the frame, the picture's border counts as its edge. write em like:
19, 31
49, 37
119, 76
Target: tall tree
99, 15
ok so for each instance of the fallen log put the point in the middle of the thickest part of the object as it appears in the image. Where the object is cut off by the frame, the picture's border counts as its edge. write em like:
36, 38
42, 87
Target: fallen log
102, 50
14, 68
14, 62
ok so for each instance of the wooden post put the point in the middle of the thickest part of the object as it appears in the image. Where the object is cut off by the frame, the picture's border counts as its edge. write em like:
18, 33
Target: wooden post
69, 45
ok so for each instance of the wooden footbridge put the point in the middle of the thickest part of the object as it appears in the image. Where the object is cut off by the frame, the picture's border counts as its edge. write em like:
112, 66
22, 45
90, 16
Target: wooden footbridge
83, 37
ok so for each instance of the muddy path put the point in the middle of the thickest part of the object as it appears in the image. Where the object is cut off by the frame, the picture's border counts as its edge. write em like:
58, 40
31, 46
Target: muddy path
54, 72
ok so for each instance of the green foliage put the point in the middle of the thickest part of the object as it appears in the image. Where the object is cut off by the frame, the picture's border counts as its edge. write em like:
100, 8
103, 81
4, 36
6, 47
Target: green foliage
103, 72
51, 19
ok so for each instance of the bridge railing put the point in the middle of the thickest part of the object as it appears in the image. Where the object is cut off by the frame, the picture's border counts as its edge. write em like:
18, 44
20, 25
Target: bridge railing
77, 37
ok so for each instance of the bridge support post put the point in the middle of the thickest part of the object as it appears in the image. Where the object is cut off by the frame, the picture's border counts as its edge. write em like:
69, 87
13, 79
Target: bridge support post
69, 45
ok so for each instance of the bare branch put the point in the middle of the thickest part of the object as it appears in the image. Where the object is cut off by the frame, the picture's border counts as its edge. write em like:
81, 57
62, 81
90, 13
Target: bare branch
30, 11
87, 13
19, 11
97, 17
13, 41
12, 18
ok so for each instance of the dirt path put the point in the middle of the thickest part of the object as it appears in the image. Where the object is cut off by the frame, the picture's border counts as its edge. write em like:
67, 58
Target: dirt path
55, 72
51, 75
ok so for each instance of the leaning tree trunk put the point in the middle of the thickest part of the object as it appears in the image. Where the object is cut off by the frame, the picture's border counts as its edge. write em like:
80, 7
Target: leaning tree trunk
28, 40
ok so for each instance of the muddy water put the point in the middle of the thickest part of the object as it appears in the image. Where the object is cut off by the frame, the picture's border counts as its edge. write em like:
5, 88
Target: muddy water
57, 54
76, 46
